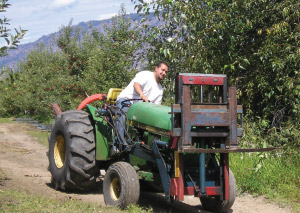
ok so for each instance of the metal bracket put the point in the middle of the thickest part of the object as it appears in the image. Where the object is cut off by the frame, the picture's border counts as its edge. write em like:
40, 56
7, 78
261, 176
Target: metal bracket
163, 170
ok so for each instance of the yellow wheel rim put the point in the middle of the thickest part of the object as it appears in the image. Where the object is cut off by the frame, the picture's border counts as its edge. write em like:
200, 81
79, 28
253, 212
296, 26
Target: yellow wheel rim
115, 189
59, 151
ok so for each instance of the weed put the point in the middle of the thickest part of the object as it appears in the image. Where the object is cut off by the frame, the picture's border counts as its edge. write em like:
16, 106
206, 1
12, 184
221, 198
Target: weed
266, 174
16, 201
272, 174
6, 120
41, 136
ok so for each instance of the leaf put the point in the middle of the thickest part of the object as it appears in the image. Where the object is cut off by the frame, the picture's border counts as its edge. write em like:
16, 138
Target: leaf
232, 67
165, 52
246, 60
265, 145
258, 167
183, 16
175, 19
240, 66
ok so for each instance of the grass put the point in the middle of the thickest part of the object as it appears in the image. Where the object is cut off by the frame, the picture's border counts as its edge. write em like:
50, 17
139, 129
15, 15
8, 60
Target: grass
17, 201
275, 175
6, 120
268, 174
41, 136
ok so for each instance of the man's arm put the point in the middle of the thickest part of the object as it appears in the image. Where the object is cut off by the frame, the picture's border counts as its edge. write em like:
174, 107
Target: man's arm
138, 89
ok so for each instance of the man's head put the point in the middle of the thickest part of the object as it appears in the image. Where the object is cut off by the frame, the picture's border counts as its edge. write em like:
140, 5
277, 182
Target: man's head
160, 71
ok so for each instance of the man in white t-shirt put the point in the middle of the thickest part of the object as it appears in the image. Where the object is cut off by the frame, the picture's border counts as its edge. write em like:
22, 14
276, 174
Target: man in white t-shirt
145, 86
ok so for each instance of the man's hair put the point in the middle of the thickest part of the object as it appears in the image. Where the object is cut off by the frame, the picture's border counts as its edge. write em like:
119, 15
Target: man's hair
160, 63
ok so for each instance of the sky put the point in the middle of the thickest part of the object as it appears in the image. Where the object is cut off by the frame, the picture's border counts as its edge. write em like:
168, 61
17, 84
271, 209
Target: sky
42, 17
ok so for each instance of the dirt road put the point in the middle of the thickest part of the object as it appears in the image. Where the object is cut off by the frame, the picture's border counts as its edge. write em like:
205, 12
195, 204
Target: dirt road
24, 162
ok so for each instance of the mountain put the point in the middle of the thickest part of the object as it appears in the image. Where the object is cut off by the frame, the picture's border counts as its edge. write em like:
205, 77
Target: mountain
19, 54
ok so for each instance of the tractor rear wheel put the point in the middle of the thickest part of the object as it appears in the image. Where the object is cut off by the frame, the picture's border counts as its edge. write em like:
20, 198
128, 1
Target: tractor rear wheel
215, 204
72, 161
121, 185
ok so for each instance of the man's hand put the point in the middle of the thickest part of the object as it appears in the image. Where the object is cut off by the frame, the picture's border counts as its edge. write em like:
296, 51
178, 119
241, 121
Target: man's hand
144, 97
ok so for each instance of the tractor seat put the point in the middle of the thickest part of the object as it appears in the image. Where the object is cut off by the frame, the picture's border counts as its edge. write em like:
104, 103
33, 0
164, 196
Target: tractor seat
112, 95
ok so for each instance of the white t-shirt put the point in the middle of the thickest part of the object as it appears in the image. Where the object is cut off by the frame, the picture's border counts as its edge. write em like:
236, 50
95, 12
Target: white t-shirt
150, 88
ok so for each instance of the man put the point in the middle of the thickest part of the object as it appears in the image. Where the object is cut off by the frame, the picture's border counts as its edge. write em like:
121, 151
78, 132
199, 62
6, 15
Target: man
145, 86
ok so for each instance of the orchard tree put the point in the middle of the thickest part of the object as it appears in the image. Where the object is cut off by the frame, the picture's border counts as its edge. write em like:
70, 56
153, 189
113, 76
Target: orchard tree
102, 60
87, 62
112, 64
12, 41
255, 42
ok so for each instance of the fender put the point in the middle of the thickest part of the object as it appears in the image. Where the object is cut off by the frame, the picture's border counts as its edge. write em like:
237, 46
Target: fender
103, 135
90, 99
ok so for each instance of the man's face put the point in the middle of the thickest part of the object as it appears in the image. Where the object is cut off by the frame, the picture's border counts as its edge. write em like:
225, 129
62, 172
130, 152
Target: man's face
161, 71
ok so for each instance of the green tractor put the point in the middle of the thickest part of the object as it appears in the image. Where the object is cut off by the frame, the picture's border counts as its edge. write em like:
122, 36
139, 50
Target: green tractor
183, 149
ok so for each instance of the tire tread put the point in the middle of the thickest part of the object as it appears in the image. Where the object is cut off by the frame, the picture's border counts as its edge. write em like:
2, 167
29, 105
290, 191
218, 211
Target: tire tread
80, 169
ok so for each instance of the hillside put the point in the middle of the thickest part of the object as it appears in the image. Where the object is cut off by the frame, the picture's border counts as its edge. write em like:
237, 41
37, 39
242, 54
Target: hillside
19, 54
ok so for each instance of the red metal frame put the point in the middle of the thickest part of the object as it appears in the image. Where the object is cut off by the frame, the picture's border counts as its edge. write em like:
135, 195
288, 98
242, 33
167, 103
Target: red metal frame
189, 190
213, 190
226, 175
186, 116
203, 80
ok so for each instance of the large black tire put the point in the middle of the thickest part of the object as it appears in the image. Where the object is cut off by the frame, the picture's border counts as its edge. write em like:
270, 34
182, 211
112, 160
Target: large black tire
72, 161
121, 185
214, 204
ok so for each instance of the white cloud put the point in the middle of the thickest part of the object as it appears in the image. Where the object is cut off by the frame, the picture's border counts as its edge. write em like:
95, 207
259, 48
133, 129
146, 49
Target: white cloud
63, 3
106, 16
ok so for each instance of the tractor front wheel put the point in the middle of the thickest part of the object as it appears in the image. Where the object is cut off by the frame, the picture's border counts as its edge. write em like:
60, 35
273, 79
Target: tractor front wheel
215, 204
72, 147
121, 185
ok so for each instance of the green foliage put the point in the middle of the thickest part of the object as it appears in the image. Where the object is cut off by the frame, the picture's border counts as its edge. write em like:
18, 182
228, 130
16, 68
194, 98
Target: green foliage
85, 64
256, 43
257, 135
14, 201
6, 120
12, 41
40, 81
42, 137
268, 174
111, 64
275, 174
